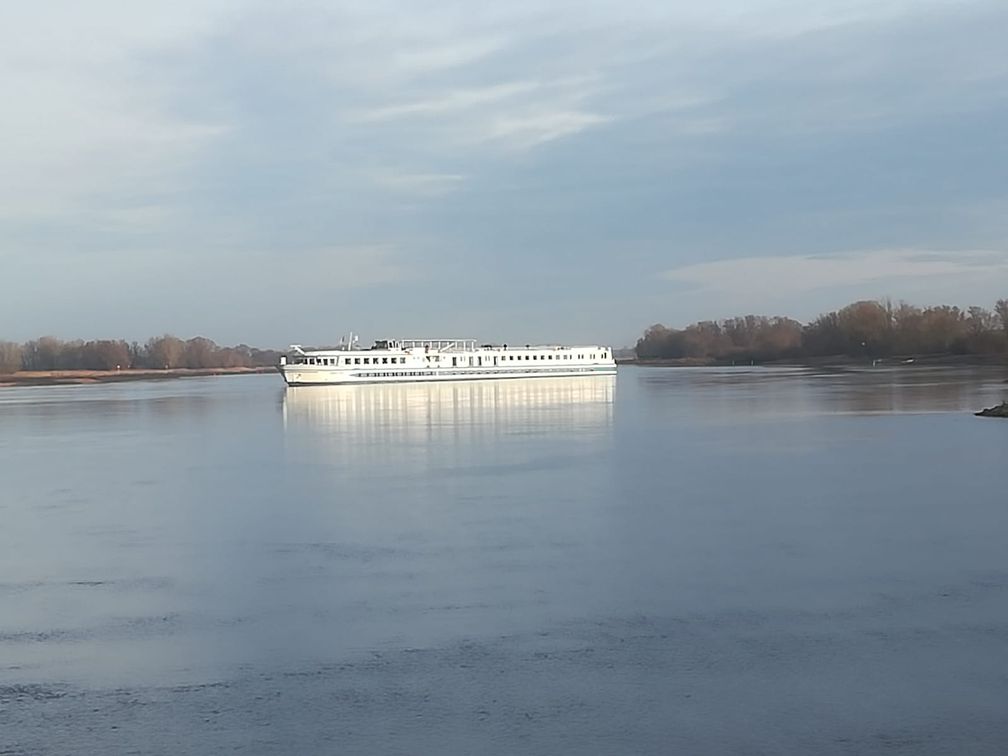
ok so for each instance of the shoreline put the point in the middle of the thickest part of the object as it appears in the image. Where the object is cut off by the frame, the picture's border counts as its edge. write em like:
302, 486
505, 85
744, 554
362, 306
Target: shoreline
839, 362
87, 377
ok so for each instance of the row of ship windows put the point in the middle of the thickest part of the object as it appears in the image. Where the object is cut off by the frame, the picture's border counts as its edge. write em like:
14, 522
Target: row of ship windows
402, 373
402, 360
350, 360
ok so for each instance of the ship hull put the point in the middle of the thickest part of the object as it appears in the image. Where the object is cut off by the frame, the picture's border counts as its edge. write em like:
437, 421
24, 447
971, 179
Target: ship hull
298, 376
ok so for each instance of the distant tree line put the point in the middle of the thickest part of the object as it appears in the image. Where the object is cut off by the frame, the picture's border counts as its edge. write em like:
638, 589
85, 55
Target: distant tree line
862, 329
159, 353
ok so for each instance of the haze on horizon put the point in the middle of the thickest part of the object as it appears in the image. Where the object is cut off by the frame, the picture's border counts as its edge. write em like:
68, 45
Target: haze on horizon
531, 172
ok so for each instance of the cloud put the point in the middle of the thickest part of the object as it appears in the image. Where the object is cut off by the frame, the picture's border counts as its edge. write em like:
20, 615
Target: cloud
419, 184
516, 115
78, 130
346, 144
448, 102
805, 273
536, 128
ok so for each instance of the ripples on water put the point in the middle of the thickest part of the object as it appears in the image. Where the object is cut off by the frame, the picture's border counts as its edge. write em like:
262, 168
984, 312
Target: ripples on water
670, 561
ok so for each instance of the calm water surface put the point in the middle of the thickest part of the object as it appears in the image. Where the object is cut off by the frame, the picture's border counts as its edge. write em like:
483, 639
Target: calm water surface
669, 561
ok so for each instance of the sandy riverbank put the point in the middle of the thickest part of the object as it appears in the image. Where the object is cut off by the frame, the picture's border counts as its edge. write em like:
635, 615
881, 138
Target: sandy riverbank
71, 377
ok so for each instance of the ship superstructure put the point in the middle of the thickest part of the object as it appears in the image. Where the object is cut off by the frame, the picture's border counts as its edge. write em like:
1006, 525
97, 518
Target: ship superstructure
410, 360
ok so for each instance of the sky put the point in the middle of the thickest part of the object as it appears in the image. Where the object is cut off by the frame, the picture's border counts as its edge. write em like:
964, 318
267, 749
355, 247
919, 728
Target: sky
275, 173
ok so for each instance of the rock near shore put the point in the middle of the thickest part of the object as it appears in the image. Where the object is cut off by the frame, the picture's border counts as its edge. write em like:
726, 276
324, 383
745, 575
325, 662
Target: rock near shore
1000, 411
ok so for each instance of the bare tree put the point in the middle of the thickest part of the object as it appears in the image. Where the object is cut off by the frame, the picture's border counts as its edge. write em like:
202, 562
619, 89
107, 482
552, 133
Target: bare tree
200, 352
164, 352
1001, 309
862, 329
43, 354
10, 357
105, 355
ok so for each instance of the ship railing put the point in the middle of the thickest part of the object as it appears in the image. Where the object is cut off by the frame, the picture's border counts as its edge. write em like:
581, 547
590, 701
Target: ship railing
439, 345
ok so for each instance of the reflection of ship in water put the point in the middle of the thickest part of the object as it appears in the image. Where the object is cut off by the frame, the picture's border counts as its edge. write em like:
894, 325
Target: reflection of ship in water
407, 412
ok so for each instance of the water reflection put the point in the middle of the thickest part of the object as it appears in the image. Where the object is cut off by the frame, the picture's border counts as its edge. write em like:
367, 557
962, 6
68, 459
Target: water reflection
733, 395
410, 411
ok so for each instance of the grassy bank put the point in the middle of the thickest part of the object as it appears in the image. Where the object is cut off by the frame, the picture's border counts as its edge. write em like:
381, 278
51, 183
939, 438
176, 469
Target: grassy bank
73, 377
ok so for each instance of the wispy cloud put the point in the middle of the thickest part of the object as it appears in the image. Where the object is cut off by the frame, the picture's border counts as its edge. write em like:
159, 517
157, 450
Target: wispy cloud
536, 128
449, 102
419, 184
427, 58
343, 267
806, 273
514, 114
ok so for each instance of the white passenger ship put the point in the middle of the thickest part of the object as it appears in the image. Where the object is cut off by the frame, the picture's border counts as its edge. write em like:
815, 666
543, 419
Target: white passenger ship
411, 360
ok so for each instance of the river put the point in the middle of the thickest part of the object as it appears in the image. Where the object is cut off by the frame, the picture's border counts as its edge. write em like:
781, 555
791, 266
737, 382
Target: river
694, 561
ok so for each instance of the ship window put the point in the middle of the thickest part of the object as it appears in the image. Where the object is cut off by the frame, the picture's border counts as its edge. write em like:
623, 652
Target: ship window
356, 361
